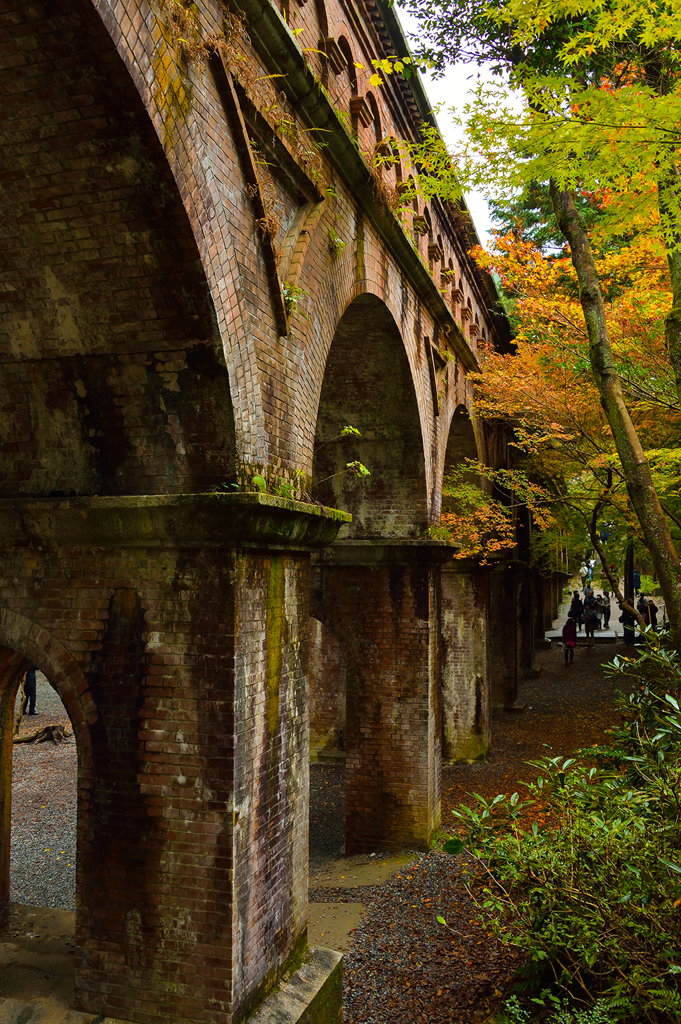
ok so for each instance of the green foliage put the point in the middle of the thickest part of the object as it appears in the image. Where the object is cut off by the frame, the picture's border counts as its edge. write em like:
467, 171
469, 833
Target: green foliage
593, 897
513, 1013
336, 243
292, 297
280, 481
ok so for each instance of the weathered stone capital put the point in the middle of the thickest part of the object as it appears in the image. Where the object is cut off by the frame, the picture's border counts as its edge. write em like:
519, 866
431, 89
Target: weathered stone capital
168, 520
385, 551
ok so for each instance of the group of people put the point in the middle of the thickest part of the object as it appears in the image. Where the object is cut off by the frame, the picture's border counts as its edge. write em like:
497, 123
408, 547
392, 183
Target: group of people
594, 610
588, 613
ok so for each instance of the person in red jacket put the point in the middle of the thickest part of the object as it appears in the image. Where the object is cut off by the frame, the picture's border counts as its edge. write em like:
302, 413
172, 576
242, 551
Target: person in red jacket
569, 640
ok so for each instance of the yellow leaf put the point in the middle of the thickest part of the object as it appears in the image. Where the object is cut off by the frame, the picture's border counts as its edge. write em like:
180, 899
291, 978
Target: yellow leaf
376, 80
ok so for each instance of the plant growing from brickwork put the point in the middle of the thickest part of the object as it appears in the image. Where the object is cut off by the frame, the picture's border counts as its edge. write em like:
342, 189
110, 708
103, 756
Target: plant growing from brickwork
336, 243
292, 296
593, 896
280, 481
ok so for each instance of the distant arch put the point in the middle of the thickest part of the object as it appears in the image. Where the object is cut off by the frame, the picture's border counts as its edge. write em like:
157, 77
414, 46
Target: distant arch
368, 385
376, 115
346, 50
322, 19
461, 445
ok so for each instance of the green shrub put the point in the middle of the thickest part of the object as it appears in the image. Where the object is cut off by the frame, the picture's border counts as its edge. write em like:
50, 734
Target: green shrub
594, 897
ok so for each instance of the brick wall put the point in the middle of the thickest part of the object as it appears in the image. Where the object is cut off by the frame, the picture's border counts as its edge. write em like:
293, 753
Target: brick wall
111, 366
386, 619
326, 671
184, 673
503, 626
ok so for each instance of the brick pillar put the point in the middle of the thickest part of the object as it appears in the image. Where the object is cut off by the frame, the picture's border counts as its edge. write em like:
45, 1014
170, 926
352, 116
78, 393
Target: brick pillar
549, 591
189, 618
465, 668
541, 585
526, 624
503, 635
381, 601
557, 594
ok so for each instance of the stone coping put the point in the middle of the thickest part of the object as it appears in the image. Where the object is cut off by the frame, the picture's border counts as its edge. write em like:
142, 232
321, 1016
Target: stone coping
169, 520
386, 550
312, 996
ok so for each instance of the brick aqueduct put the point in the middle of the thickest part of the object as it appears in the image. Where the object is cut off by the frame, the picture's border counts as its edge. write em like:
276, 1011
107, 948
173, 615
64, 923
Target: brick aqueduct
192, 292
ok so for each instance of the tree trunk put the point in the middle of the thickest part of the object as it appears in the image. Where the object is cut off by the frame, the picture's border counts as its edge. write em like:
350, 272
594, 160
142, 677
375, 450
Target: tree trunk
634, 463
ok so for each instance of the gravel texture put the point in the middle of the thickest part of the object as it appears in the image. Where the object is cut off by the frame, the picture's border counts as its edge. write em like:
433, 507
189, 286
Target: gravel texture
327, 812
43, 854
403, 966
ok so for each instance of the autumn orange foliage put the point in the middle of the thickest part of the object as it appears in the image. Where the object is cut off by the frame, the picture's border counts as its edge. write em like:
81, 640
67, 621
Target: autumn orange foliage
546, 391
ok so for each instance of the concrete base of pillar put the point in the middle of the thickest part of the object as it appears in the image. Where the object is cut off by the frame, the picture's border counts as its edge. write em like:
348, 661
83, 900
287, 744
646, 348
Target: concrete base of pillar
312, 996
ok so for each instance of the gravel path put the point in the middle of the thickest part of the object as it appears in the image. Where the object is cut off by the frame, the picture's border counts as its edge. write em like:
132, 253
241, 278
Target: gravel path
327, 812
43, 854
405, 968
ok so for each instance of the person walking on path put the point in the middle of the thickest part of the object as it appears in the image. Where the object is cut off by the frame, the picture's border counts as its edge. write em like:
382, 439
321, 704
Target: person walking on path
641, 605
637, 581
650, 613
584, 573
606, 609
576, 610
569, 640
30, 689
590, 623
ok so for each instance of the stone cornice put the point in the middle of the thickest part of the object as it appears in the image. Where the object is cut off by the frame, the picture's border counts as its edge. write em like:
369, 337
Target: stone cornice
168, 521
281, 54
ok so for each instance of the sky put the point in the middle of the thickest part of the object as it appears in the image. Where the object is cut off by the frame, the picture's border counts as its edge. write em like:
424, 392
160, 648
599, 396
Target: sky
452, 91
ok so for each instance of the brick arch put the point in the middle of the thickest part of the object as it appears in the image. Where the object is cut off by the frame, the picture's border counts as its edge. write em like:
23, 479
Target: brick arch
23, 641
40, 647
108, 322
326, 300
368, 383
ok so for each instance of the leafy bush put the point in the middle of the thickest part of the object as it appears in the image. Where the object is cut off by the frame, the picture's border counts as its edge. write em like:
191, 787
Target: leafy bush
563, 1014
594, 897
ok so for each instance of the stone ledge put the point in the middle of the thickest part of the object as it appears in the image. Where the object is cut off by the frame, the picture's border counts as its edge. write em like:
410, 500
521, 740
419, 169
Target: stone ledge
386, 551
168, 520
312, 996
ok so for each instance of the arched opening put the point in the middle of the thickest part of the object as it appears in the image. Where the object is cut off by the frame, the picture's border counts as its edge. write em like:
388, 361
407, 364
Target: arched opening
427, 218
465, 675
461, 445
375, 116
346, 50
368, 386
370, 641
44, 797
113, 367
40, 879
322, 19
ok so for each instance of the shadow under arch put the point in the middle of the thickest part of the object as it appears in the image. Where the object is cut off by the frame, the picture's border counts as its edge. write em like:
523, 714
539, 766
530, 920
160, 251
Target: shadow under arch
368, 385
113, 363
24, 642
